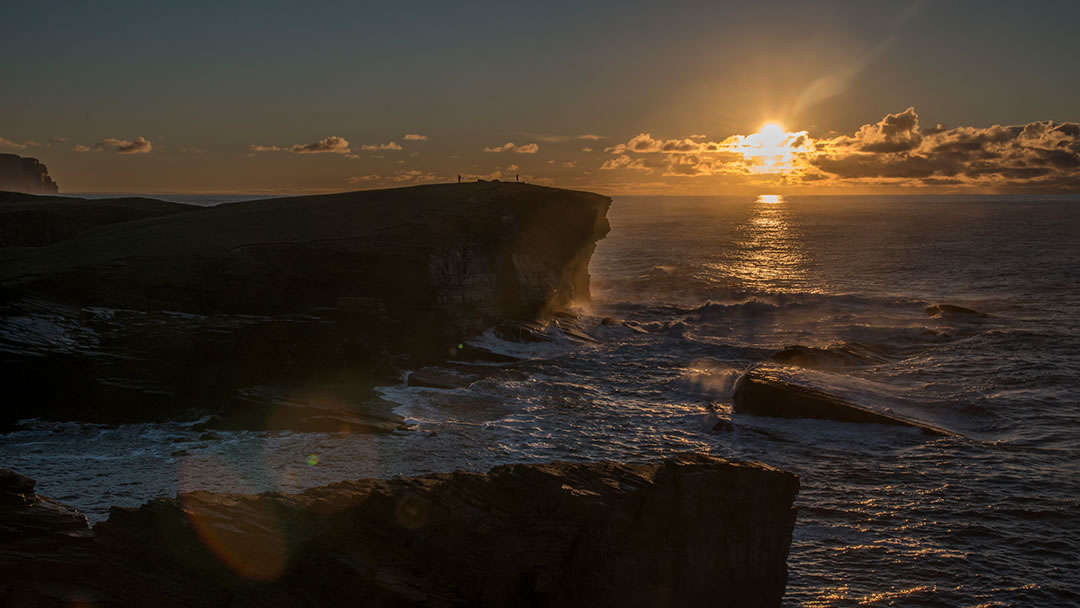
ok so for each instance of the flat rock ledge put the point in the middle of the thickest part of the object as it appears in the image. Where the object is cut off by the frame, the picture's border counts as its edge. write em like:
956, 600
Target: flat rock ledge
693, 530
765, 392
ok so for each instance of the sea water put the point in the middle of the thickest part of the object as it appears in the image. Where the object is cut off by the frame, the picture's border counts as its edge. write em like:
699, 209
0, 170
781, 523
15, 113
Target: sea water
688, 293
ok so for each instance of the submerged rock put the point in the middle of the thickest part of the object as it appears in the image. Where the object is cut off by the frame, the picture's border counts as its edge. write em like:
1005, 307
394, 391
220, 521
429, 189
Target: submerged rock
763, 393
951, 310
695, 530
522, 332
841, 355
440, 377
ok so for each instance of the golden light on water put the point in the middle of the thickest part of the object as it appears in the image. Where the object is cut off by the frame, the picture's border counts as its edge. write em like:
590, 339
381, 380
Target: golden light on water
772, 249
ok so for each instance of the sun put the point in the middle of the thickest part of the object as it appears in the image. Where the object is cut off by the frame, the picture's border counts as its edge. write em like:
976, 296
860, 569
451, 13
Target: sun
773, 149
772, 135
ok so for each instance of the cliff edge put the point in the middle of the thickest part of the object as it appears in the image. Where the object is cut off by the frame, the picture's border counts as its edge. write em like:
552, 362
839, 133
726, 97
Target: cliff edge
137, 319
695, 530
20, 174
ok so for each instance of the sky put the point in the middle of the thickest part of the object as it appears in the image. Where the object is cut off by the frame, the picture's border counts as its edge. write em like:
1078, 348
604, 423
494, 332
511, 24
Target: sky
615, 97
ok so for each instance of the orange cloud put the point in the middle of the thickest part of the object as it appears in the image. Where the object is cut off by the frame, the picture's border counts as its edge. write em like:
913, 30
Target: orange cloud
140, 145
509, 146
895, 150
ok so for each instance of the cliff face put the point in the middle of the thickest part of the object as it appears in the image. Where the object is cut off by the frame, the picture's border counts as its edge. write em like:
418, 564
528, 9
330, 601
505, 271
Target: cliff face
142, 317
20, 174
693, 531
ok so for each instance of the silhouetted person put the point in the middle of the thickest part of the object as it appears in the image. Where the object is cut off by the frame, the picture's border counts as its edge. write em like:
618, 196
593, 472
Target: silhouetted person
516, 177
459, 178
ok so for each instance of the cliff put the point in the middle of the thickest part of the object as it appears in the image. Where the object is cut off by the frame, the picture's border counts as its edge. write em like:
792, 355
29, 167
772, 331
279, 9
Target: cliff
25, 175
141, 318
695, 530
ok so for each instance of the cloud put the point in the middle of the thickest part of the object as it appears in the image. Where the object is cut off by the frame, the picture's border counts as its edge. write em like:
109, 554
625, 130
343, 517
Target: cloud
896, 150
415, 176
363, 179
332, 144
140, 145
403, 176
555, 139
415, 137
586, 149
57, 140
624, 161
1041, 155
7, 143
390, 145
80, 148
509, 146
894, 133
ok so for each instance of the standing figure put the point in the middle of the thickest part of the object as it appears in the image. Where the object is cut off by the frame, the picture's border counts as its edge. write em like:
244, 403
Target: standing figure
459, 178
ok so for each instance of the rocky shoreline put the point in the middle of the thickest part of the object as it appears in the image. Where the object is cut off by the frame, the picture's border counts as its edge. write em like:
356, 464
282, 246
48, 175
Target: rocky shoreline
692, 530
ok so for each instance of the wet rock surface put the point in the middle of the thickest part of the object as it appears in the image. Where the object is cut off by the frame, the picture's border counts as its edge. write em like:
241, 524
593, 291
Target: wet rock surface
693, 530
148, 318
763, 392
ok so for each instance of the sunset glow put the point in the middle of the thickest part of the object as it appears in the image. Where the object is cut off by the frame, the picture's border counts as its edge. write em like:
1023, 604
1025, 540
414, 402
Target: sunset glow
772, 149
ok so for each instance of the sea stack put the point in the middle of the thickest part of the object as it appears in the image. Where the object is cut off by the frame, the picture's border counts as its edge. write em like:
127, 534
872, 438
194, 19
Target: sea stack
28, 175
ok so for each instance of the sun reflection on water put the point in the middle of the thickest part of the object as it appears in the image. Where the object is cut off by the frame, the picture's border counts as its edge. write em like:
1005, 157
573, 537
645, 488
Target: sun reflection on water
772, 255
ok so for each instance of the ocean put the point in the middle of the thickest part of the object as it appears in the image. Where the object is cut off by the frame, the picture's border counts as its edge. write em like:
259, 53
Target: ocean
689, 293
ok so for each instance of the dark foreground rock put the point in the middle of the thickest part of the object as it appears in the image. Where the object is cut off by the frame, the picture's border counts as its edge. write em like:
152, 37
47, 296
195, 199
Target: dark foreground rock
40, 539
763, 392
147, 318
694, 530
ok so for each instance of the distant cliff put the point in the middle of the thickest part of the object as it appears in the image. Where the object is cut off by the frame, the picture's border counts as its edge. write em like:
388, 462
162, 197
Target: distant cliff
20, 174
139, 318
695, 530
